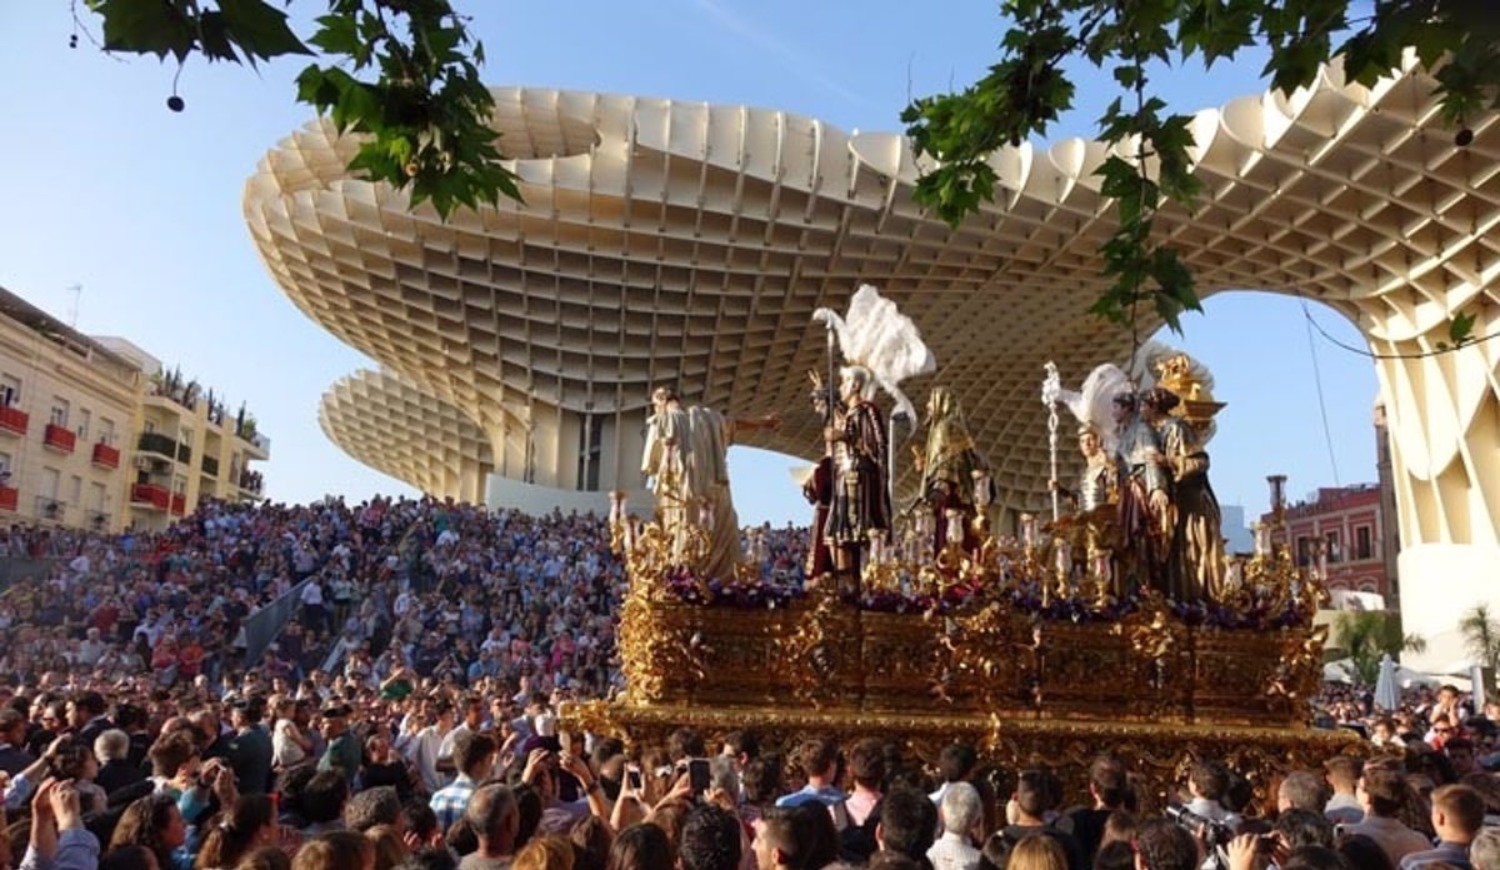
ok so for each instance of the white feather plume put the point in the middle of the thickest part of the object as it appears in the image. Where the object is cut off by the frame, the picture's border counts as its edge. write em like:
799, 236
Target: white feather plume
876, 335
1094, 403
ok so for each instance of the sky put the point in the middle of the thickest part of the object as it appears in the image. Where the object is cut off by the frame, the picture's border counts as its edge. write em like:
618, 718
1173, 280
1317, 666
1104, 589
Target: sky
110, 192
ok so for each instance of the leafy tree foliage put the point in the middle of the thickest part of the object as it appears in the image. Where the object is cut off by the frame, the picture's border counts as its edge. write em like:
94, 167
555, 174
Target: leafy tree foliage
1457, 40
403, 74
1368, 635
1481, 630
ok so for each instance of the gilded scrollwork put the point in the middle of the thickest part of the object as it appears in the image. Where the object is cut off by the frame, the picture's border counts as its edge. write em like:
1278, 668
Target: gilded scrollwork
808, 651
996, 647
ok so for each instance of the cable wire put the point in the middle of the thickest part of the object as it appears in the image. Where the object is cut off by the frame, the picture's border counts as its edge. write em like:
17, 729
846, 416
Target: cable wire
1365, 352
1312, 351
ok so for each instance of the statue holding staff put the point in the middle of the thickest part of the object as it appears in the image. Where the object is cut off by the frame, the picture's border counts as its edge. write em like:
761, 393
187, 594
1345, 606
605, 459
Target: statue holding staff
881, 347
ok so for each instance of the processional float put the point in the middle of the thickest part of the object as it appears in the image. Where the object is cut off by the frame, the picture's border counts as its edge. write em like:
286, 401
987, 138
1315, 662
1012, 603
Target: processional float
1116, 625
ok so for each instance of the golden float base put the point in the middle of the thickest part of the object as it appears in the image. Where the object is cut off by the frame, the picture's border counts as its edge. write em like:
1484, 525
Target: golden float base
1157, 686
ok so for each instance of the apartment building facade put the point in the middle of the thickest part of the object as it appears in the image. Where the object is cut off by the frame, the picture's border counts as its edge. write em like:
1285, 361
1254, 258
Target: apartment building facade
84, 429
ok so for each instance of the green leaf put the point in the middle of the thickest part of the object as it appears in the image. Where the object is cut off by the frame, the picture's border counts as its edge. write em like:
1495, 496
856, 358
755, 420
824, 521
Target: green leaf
1461, 328
146, 27
214, 38
259, 29
337, 34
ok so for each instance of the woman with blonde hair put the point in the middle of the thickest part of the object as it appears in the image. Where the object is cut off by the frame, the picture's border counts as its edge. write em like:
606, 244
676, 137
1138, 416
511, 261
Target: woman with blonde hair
389, 850
336, 850
546, 853
1037, 852
265, 858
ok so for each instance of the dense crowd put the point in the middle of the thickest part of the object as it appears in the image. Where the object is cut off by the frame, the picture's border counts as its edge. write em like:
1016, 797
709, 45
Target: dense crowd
407, 715
442, 590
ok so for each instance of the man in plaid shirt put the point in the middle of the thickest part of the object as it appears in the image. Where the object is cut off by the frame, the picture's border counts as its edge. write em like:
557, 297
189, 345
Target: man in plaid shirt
473, 755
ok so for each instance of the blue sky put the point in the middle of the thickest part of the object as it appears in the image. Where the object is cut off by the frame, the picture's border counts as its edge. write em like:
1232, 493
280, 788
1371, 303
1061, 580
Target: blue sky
108, 190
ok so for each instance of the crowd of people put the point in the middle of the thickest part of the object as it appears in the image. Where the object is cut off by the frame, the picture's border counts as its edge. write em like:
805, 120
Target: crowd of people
407, 715
421, 777
438, 589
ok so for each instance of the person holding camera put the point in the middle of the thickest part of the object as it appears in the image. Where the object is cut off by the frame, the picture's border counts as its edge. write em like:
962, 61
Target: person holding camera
21, 786
58, 838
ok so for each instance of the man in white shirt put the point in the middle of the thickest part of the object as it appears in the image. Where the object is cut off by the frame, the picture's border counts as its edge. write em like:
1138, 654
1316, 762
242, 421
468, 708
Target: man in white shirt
960, 811
424, 749
312, 605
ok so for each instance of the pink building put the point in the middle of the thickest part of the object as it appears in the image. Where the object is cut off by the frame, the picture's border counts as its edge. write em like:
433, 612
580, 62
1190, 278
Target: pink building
1352, 522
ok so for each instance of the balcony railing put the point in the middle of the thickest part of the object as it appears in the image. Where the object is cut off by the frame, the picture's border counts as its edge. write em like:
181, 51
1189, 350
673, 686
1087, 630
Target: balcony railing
49, 508
98, 520
210, 466
179, 504
14, 421
10, 498
106, 456
251, 481
150, 495
155, 442
59, 438
184, 453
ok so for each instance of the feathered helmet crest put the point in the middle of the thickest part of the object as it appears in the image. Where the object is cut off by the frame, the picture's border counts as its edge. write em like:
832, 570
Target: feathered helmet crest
880, 345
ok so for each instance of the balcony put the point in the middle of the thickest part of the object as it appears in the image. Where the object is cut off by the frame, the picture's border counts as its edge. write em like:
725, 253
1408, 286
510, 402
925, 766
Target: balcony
184, 453
149, 495
179, 504
211, 466
10, 498
98, 520
49, 508
59, 439
251, 482
106, 456
14, 421
159, 444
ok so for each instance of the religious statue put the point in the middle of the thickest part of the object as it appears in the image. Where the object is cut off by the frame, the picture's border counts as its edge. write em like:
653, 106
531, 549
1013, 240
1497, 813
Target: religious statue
1096, 486
1144, 498
686, 454
861, 494
949, 464
817, 488
1195, 562
664, 461
881, 347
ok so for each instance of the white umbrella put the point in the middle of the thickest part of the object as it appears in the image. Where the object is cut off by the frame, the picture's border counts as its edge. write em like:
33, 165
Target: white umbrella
1386, 696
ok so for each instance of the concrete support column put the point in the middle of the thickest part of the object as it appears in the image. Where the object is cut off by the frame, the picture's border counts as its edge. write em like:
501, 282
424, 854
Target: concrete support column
1443, 414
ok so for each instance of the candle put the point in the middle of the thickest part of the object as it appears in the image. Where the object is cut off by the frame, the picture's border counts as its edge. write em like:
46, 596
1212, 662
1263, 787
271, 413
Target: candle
616, 507
955, 532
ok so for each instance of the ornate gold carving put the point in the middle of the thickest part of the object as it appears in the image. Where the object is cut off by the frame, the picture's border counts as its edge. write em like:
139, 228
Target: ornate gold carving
808, 652
1003, 646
